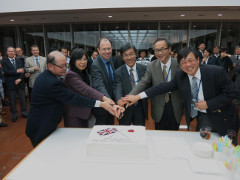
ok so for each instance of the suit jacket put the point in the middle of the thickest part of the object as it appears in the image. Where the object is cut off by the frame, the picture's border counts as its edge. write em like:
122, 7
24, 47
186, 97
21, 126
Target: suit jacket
11, 75
122, 84
200, 55
211, 61
154, 76
29, 68
100, 79
232, 72
74, 82
49, 95
218, 90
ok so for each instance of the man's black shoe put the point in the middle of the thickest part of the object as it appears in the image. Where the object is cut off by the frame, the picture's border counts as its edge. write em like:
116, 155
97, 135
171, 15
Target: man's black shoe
3, 125
24, 115
14, 119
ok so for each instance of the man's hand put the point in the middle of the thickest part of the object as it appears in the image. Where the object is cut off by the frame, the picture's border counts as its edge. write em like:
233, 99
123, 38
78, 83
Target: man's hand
121, 102
20, 70
27, 75
119, 111
113, 109
36, 68
17, 81
131, 99
108, 100
202, 105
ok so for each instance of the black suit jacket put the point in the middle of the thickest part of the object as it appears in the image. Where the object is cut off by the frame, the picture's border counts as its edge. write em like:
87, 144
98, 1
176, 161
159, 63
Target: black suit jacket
122, 84
211, 61
100, 79
11, 75
49, 95
218, 90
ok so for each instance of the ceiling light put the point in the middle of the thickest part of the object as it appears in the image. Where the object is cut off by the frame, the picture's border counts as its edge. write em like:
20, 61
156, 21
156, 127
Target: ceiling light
220, 14
12, 20
182, 15
194, 26
109, 16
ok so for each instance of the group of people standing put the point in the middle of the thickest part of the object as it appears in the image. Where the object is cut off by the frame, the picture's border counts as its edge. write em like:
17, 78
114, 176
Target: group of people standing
92, 91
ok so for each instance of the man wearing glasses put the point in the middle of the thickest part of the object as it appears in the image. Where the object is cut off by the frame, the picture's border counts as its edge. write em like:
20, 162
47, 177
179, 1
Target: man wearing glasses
102, 74
34, 65
167, 109
207, 93
49, 95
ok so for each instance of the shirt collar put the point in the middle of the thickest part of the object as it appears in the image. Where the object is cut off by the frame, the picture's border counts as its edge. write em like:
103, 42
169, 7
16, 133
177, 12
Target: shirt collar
197, 75
134, 67
168, 64
35, 57
103, 60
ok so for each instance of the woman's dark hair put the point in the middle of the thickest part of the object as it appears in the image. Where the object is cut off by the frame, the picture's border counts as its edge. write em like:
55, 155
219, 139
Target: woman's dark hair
77, 54
184, 52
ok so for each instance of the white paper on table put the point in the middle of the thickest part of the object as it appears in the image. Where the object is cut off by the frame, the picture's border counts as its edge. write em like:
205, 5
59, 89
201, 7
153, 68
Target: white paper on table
171, 148
203, 165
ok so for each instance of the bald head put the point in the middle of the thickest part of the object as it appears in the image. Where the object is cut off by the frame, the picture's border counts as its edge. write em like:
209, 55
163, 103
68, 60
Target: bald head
57, 63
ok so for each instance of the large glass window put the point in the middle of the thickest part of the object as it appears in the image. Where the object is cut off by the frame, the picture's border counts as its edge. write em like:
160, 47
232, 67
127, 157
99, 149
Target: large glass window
143, 35
32, 35
203, 32
7, 38
175, 32
117, 32
58, 36
230, 35
86, 36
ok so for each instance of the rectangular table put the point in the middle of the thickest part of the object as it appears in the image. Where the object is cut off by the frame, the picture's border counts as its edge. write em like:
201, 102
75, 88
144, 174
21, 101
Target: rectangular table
63, 156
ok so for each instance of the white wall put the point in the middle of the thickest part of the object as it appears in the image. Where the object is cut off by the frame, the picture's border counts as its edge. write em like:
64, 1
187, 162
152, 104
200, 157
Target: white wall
42, 5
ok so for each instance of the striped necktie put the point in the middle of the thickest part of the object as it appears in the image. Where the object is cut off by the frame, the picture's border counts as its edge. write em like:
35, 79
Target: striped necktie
194, 90
165, 76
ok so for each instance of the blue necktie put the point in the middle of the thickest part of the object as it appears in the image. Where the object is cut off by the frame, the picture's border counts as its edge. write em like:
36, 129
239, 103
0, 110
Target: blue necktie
110, 72
194, 89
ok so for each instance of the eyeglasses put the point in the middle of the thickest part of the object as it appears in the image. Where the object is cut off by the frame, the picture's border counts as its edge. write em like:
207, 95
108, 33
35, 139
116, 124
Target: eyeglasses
185, 61
106, 49
128, 55
65, 66
163, 50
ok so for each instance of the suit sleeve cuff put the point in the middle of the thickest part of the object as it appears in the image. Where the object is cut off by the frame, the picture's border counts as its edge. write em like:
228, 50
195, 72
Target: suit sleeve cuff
97, 104
143, 95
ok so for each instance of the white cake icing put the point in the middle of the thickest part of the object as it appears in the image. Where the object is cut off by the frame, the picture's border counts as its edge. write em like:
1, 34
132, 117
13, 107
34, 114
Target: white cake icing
202, 149
117, 142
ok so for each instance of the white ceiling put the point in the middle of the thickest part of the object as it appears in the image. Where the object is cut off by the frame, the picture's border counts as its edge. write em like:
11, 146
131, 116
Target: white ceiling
231, 13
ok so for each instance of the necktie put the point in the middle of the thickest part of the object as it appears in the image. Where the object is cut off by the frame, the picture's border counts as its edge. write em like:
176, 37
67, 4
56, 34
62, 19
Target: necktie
14, 63
237, 57
132, 78
194, 89
165, 76
110, 72
38, 65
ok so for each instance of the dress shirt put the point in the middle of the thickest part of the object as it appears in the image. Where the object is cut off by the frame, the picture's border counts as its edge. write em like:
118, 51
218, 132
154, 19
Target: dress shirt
106, 66
168, 64
200, 92
35, 59
134, 72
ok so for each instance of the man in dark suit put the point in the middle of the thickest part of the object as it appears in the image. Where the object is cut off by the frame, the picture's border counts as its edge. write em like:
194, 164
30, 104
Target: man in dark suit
14, 74
167, 109
91, 59
49, 96
207, 92
102, 75
201, 47
126, 77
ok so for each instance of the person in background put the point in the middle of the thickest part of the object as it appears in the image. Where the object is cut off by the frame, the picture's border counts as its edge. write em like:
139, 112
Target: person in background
150, 54
224, 61
143, 59
201, 47
49, 96
34, 65
2, 124
64, 50
125, 78
216, 50
14, 73
91, 59
207, 93
77, 79
118, 60
206, 58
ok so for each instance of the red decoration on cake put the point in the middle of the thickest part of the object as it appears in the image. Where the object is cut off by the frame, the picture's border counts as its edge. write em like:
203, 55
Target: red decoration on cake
130, 130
